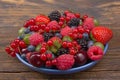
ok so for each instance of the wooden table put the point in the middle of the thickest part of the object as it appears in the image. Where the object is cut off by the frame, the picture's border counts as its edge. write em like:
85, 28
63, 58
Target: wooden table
13, 13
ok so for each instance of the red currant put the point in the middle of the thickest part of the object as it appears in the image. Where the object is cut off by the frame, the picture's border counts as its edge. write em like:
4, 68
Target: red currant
8, 50
81, 30
64, 44
85, 16
75, 31
13, 45
44, 44
69, 44
49, 55
50, 43
71, 34
78, 47
77, 15
60, 23
22, 44
66, 12
48, 63
80, 36
43, 57
72, 52
16, 41
32, 28
43, 50
36, 28
43, 26
67, 19
75, 36
29, 22
62, 19
74, 43
47, 29
87, 30
54, 28
54, 62
16, 50
13, 54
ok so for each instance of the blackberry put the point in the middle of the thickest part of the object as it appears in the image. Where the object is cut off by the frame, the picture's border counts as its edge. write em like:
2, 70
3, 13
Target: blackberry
54, 15
62, 51
74, 22
47, 36
83, 42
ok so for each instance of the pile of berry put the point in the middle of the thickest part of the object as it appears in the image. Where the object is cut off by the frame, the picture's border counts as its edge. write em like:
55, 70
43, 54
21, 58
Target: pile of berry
60, 41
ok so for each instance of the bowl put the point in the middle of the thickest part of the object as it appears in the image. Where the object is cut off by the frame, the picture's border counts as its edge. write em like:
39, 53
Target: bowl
55, 71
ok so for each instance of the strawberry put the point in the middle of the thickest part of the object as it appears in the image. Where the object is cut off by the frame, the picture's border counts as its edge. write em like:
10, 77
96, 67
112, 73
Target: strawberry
42, 19
101, 34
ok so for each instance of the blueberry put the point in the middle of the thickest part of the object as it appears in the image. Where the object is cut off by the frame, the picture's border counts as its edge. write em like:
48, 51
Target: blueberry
27, 30
86, 36
31, 48
23, 56
21, 37
58, 35
90, 43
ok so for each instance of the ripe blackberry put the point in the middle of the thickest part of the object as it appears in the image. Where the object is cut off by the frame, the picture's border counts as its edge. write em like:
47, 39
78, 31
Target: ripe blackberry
62, 51
47, 36
74, 22
83, 42
54, 15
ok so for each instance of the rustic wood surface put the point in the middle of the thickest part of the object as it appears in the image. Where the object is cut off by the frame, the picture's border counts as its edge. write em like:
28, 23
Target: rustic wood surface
13, 13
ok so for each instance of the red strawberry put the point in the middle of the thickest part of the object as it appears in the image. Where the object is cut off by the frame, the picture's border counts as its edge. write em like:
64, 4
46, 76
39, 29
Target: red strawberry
101, 34
42, 19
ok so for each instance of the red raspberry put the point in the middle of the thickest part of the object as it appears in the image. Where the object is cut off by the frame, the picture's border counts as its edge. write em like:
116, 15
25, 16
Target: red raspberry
95, 53
65, 31
65, 61
71, 15
88, 23
36, 38
53, 25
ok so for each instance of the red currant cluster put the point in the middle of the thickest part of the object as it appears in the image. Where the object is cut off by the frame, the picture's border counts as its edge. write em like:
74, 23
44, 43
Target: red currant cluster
15, 47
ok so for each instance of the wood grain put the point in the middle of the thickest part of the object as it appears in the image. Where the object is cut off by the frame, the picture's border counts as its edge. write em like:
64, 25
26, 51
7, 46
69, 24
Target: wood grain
13, 13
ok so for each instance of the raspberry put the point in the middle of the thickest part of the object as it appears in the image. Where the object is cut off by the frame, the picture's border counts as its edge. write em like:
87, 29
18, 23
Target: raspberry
65, 31
71, 15
88, 24
54, 15
36, 38
95, 53
74, 22
65, 61
53, 25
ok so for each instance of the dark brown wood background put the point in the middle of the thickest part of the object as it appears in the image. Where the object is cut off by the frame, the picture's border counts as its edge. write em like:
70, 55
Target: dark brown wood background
13, 13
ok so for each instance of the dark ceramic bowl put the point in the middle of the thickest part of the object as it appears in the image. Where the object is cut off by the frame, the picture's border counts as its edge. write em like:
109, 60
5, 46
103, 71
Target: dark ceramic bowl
55, 71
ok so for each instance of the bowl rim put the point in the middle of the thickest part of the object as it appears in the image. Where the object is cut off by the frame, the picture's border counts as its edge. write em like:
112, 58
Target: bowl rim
55, 71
